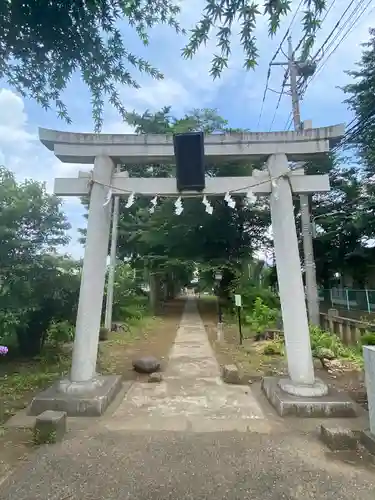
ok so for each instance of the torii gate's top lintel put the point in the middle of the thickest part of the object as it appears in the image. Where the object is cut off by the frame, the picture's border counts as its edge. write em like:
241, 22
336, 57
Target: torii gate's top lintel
148, 148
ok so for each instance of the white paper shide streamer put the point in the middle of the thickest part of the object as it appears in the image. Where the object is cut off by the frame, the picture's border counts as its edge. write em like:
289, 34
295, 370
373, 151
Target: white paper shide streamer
154, 202
251, 198
130, 201
207, 204
275, 188
108, 198
230, 201
178, 208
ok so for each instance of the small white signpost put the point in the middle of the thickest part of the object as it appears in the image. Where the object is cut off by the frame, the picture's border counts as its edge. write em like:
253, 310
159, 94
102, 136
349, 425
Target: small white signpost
238, 300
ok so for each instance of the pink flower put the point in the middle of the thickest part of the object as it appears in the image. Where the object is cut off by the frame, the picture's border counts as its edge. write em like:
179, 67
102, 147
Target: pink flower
3, 350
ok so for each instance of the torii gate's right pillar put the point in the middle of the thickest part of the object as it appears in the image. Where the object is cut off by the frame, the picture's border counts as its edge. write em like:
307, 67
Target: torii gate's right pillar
292, 296
301, 394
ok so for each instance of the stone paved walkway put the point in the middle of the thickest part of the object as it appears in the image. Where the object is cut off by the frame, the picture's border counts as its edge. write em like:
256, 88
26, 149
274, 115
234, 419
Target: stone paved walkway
192, 395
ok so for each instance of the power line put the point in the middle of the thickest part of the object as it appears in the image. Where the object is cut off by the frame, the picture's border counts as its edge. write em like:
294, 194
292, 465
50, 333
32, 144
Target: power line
289, 121
330, 40
286, 74
333, 30
345, 35
355, 130
322, 21
273, 59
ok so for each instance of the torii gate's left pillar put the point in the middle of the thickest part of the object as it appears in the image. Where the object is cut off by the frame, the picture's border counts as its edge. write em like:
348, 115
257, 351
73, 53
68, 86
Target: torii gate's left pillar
85, 392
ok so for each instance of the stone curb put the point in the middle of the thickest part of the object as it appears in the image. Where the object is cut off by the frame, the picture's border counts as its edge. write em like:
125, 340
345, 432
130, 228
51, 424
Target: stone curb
230, 374
339, 438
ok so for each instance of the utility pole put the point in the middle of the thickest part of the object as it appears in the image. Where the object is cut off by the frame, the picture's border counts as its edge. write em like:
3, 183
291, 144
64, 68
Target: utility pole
307, 236
112, 262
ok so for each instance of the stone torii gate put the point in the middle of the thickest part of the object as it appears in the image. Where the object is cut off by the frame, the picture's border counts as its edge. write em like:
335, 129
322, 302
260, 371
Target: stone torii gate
86, 392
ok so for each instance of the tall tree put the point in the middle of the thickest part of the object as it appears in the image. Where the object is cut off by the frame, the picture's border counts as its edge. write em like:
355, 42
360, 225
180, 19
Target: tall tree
222, 239
339, 244
35, 283
42, 44
361, 99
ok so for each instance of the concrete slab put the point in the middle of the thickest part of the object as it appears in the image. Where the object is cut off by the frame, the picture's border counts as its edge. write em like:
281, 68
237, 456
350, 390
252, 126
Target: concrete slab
368, 441
23, 420
334, 405
90, 404
186, 466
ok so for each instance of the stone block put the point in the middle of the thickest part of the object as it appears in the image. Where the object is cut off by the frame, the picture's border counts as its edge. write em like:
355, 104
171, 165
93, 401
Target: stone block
91, 403
338, 438
50, 427
369, 359
333, 405
332, 313
103, 334
230, 374
155, 377
147, 364
368, 441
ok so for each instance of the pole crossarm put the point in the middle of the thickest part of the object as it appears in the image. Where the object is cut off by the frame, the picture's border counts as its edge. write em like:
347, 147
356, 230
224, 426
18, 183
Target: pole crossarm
149, 148
259, 184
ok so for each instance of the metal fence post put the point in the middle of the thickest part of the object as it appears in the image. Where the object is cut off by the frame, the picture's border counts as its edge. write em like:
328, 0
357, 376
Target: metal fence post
330, 296
347, 299
368, 301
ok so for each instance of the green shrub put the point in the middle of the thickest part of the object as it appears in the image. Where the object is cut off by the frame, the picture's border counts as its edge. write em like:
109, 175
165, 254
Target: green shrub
368, 338
129, 300
273, 348
135, 310
59, 332
261, 317
251, 293
321, 340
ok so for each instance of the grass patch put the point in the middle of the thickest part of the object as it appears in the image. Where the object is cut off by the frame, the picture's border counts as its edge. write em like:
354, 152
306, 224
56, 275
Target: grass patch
256, 359
114, 353
21, 379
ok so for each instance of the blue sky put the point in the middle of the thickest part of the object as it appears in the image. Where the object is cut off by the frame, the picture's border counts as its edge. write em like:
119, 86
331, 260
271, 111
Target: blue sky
237, 95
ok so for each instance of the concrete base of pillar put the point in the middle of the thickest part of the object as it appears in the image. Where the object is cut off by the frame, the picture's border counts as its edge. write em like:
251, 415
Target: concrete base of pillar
86, 399
220, 332
317, 389
333, 404
368, 441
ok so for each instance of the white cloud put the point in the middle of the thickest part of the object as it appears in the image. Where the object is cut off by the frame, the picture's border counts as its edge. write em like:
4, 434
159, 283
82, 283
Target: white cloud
23, 154
117, 127
13, 120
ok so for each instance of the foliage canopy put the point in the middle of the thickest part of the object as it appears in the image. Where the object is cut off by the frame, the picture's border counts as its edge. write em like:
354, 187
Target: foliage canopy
43, 44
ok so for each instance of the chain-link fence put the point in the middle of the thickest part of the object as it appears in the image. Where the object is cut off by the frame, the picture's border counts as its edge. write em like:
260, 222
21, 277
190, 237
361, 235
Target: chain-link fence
349, 299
